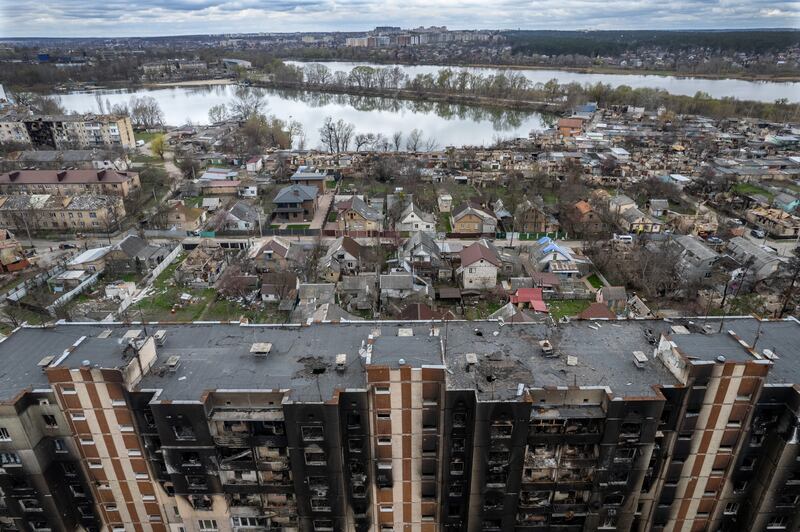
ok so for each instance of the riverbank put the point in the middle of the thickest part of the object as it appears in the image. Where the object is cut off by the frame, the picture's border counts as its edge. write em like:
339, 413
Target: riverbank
190, 83
782, 78
420, 96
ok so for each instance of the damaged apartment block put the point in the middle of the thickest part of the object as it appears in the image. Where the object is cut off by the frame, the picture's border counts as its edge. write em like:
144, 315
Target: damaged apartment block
388, 426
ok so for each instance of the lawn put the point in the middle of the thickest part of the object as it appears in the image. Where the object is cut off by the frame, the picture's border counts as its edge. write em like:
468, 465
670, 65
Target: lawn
444, 222
751, 189
550, 198
166, 294
297, 226
146, 136
595, 281
482, 310
567, 307
224, 310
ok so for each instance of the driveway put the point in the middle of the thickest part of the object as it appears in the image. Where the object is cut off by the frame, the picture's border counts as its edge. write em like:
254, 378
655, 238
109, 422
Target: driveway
321, 214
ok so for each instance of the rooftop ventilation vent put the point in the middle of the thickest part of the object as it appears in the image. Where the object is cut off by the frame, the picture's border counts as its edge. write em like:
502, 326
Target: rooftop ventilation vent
639, 359
160, 336
261, 349
173, 363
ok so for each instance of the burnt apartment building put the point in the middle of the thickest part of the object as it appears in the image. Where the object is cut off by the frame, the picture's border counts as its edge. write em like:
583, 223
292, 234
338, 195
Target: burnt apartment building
643, 425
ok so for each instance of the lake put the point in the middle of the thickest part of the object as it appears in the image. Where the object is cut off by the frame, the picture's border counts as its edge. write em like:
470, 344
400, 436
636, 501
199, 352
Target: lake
449, 125
763, 91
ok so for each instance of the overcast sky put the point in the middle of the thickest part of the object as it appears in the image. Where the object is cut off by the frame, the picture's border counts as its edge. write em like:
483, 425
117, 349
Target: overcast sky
113, 18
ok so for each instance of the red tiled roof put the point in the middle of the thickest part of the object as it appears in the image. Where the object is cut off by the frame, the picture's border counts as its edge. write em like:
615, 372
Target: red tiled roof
583, 207
531, 296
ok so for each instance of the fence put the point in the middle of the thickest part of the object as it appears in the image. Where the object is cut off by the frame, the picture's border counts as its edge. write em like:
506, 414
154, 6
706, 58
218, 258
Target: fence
158, 270
72, 293
21, 289
152, 276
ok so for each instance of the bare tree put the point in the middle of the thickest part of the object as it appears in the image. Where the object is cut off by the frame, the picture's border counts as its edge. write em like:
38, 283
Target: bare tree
414, 140
234, 283
145, 112
336, 136
247, 102
218, 113
397, 140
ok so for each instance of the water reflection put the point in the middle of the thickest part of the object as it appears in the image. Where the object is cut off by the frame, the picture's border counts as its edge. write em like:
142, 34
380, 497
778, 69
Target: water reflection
448, 123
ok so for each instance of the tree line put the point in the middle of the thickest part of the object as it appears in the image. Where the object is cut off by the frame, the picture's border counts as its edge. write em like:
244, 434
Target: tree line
513, 85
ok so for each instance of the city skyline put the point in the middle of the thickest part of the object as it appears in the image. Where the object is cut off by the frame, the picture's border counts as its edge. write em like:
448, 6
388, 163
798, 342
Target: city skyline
67, 18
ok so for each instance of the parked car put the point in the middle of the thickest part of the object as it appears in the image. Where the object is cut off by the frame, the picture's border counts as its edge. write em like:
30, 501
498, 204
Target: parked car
758, 233
65, 245
714, 240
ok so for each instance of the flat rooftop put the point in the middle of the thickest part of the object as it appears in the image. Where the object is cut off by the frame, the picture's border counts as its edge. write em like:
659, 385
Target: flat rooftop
217, 356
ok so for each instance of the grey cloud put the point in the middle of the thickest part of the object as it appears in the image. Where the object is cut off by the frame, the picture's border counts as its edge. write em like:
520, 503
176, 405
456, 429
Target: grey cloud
157, 17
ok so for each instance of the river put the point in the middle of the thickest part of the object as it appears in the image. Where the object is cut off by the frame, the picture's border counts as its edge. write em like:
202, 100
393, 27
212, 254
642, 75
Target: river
762, 91
449, 125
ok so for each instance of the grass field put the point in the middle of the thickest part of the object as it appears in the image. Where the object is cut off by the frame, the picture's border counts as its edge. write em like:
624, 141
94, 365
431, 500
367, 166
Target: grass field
567, 307
595, 281
749, 189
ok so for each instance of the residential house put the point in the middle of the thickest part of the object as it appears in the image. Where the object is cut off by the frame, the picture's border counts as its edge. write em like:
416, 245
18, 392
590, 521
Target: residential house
397, 285
613, 297
211, 204
570, 127
242, 216
619, 204
473, 219
359, 292
758, 262
277, 254
310, 176
695, 259
546, 255
420, 254
91, 260
479, 266
67, 280
510, 313
135, 254
633, 220
295, 203
220, 187
776, 222
344, 256
279, 286
788, 202
658, 207
203, 266
356, 215
530, 298
248, 189
310, 298
584, 219
185, 218
12, 256
414, 219
531, 217
254, 164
